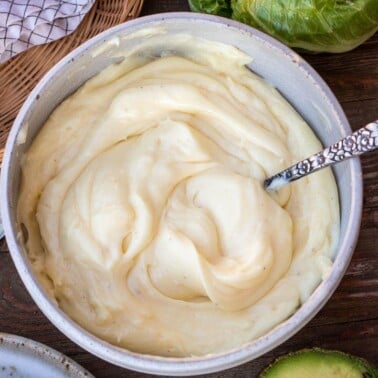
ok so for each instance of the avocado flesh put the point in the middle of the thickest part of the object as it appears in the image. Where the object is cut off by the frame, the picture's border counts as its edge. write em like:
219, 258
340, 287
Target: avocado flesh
317, 363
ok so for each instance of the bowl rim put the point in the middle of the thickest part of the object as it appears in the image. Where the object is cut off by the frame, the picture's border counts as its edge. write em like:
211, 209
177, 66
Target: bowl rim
187, 365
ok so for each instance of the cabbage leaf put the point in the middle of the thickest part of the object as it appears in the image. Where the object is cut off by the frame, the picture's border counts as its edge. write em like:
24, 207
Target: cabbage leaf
218, 7
313, 25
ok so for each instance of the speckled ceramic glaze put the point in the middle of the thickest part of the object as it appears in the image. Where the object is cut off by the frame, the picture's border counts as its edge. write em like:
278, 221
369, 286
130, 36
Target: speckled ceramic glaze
280, 66
25, 358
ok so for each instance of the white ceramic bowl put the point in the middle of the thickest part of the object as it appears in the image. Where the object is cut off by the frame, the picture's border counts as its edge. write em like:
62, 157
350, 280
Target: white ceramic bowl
282, 67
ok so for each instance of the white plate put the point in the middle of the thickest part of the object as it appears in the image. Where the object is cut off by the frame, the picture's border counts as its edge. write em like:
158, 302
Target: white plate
25, 358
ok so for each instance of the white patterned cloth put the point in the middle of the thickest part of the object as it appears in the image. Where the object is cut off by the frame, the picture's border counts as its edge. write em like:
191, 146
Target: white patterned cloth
25, 23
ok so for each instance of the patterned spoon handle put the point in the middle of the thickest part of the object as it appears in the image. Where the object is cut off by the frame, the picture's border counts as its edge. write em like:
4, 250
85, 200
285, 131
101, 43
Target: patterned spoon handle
361, 141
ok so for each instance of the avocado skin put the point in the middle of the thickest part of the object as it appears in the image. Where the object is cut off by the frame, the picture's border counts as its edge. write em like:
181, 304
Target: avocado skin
319, 363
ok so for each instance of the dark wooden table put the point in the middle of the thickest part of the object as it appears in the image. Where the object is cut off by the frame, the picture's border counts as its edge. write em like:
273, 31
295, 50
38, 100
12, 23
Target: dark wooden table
349, 322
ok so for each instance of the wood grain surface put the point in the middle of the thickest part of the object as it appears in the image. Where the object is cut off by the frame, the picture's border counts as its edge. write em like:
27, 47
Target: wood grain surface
349, 321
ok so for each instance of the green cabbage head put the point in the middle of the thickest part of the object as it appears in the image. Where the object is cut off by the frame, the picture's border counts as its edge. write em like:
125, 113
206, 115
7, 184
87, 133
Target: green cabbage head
313, 25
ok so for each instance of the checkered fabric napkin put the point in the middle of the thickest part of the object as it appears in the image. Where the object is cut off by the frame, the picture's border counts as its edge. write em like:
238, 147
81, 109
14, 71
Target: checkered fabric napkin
25, 23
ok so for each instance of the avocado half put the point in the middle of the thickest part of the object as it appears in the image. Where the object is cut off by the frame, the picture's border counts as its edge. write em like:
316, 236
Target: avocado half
319, 363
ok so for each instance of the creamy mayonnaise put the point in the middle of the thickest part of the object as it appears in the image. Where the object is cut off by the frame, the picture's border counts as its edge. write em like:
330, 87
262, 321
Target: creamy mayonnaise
143, 202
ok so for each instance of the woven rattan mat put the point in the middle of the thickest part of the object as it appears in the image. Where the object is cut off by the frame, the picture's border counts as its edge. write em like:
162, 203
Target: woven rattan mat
19, 75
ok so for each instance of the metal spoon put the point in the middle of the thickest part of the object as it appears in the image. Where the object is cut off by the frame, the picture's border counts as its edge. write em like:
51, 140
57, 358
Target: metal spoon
361, 141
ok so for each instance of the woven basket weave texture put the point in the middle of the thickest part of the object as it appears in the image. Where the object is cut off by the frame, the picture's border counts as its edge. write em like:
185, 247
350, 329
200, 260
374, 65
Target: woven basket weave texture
19, 75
